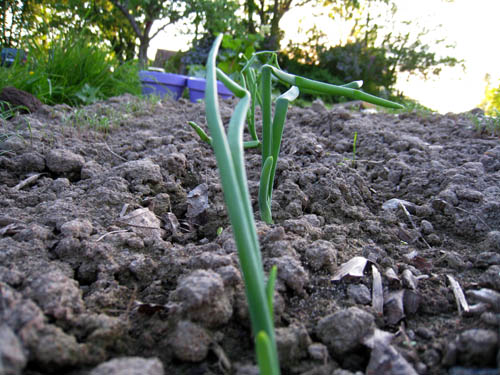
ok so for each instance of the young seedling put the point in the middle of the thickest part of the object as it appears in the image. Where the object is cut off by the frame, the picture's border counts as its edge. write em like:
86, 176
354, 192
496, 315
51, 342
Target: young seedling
257, 79
255, 89
228, 149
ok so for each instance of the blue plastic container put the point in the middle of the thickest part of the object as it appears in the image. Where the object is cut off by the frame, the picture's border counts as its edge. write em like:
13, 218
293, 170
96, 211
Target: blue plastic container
157, 83
197, 85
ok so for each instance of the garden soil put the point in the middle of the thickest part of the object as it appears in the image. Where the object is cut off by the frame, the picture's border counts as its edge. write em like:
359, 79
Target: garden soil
117, 257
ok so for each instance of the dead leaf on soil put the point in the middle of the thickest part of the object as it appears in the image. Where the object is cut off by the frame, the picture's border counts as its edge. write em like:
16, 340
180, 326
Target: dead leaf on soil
352, 268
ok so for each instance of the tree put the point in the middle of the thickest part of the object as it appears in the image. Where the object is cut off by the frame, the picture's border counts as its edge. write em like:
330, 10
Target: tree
141, 15
211, 17
16, 17
376, 50
270, 12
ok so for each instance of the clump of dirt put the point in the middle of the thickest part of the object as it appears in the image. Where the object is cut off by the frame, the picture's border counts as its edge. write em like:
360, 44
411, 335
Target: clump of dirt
116, 253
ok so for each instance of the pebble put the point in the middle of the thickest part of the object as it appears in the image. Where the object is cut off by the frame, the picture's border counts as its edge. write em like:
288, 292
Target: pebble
30, 162
12, 357
359, 293
291, 272
318, 352
487, 258
491, 278
492, 242
203, 298
190, 342
425, 333
321, 254
292, 343
426, 227
140, 171
474, 347
394, 204
64, 161
78, 228
344, 330
130, 366
57, 295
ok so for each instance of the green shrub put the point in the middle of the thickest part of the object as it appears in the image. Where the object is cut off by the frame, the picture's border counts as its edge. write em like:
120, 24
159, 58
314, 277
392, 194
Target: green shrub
72, 69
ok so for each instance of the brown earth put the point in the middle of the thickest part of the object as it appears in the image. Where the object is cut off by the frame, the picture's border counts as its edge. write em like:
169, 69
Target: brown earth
116, 256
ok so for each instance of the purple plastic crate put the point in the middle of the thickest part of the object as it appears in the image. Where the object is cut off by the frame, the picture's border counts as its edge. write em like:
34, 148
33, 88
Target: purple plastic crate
197, 89
162, 84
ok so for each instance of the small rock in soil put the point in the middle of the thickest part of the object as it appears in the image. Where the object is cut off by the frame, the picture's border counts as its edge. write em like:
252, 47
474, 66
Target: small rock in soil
492, 242
491, 278
318, 352
203, 298
130, 366
474, 347
386, 360
12, 357
63, 161
140, 172
394, 307
79, 228
292, 343
291, 273
321, 254
30, 162
344, 330
487, 258
190, 342
359, 293
58, 295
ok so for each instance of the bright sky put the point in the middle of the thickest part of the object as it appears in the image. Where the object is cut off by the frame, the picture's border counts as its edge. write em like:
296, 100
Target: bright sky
471, 25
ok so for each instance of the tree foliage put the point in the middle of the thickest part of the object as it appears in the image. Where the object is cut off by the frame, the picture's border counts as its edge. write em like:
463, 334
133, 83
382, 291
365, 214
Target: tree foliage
142, 14
491, 102
372, 52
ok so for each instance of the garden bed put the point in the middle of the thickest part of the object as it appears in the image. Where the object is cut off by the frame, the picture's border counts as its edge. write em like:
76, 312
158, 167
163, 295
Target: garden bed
116, 252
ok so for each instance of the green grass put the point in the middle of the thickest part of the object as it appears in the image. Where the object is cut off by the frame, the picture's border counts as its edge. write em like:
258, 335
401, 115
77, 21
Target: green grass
487, 124
74, 70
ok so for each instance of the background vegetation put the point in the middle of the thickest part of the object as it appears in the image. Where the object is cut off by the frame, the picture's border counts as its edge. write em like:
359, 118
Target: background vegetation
116, 35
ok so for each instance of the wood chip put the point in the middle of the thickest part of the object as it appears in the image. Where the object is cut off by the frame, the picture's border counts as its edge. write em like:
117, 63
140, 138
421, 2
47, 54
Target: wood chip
462, 304
377, 291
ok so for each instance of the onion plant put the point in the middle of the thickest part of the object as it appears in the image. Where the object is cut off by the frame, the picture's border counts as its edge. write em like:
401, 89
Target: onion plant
257, 80
255, 89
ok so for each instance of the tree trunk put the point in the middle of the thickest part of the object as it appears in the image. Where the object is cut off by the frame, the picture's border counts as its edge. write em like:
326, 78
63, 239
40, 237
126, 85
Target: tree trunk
251, 10
143, 51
